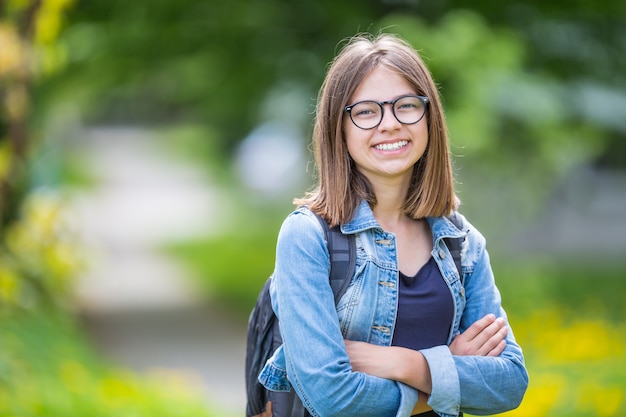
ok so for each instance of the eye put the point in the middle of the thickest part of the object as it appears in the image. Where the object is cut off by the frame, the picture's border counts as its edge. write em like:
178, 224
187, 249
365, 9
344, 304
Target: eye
409, 104
365, 109
363, 112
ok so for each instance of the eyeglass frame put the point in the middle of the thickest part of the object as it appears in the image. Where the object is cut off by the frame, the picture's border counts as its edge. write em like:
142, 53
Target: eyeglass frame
425, 100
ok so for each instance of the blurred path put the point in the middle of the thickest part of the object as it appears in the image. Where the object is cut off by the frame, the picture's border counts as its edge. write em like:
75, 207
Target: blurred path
139, 307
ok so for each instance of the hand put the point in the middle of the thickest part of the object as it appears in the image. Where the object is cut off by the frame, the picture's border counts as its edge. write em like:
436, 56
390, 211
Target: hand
483, 338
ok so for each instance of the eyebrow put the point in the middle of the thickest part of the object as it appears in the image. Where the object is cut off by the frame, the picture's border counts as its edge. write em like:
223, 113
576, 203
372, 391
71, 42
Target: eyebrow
412, 93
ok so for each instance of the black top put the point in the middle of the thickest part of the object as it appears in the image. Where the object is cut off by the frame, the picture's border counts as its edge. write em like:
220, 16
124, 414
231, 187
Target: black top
425, 309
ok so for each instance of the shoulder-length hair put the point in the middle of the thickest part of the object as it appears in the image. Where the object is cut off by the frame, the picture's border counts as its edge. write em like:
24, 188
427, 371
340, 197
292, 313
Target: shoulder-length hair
340, 186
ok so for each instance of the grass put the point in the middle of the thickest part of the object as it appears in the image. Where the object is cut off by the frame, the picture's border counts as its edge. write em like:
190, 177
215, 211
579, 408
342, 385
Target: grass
585, 287
48, 369
232, 271
232, 268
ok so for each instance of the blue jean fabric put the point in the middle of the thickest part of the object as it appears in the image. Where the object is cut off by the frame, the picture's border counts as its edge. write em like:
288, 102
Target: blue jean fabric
313, 358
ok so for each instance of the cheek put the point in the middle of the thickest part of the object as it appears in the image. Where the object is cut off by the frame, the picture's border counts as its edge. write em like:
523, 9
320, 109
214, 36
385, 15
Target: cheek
421, 131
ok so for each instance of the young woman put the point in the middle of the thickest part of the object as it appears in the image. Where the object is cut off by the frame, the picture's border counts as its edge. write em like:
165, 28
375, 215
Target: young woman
409, 336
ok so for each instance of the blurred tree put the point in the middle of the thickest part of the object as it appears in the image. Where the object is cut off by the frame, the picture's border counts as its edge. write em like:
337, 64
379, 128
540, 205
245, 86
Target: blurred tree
193, 60
510, 123
16, 32
578, 47
532, 92
34, 261
28, 53
214, 63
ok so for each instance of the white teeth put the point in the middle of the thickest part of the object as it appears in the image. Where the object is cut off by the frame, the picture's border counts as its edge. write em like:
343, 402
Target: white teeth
392, 146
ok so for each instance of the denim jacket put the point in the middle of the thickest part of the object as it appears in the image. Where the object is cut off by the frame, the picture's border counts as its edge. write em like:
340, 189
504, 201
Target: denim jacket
313, 358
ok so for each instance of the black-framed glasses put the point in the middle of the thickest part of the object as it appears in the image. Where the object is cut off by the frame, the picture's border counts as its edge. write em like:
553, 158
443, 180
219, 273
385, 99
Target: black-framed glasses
407, 110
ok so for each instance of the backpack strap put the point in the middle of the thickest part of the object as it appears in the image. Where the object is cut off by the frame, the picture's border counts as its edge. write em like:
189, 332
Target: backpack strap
454, 243
342, 251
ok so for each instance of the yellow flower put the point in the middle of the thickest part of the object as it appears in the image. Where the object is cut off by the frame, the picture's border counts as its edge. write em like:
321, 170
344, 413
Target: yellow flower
570, 341
573, 365
600, 400
544, 393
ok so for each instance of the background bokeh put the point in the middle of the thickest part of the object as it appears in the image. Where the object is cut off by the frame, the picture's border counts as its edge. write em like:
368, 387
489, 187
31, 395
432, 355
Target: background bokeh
150, 150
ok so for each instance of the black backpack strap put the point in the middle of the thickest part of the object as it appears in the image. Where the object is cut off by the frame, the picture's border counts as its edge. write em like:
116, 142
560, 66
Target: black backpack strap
297, 409
454, 243
264, 333
342, 251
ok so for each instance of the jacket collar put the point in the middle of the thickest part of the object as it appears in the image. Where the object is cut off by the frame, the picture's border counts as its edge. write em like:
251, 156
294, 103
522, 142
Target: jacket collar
364, 219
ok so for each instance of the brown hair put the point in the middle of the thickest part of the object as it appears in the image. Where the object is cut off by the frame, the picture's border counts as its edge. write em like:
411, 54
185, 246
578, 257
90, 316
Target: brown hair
341, 186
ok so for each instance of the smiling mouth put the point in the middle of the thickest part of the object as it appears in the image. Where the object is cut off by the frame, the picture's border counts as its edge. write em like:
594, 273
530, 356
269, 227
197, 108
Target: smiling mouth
392, 146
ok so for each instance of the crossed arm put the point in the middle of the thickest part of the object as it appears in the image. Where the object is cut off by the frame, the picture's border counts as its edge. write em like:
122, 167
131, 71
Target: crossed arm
483, 338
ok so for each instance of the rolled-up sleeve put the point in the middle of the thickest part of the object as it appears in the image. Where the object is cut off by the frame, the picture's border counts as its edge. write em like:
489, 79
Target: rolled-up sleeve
477, 384
446, 392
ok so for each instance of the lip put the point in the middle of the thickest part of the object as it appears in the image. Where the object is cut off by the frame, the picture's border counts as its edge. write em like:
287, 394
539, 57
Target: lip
391, 145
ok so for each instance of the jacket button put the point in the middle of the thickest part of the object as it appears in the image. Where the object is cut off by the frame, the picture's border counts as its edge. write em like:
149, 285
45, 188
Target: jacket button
383, 329
442, 254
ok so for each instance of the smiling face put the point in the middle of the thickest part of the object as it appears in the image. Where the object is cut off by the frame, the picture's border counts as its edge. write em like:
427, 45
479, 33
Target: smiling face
389, 151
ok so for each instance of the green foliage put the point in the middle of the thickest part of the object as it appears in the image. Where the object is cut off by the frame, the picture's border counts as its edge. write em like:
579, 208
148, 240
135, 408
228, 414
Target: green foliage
504, 120
39, 256
196, 144
196, 61
214, 64
525, 106
233, 266
47, 369
28, 54
589, 288
73, 173
516, 130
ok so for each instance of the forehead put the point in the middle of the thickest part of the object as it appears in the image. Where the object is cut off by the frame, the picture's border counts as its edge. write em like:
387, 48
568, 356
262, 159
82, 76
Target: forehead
381, 84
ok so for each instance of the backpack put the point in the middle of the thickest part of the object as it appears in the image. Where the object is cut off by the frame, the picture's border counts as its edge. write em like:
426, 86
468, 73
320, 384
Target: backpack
263, 335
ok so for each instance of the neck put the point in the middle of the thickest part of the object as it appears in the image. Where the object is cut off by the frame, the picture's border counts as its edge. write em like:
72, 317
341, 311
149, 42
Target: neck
390, 198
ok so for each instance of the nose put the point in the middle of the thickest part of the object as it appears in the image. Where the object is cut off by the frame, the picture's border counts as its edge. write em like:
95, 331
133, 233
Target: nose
389, 120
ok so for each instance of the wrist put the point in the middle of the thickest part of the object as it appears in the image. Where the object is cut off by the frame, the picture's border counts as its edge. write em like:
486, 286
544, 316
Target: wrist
413, 369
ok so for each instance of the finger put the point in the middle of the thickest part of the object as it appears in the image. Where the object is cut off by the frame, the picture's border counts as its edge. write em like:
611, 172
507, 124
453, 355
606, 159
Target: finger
488, 338
498, 349
488, 332
495, 339
478, 327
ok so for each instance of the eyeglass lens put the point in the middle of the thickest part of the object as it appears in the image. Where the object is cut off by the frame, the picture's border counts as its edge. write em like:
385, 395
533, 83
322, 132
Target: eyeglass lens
369, 114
